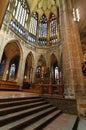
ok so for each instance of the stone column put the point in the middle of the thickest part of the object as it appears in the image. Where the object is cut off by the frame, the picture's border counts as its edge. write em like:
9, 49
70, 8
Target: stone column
34, 66
72, 53
6, 71
1, 47
20, 75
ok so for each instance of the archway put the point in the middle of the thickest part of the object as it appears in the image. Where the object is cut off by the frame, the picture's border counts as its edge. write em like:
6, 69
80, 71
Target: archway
11, 55
41, 67
28, 73
54, 69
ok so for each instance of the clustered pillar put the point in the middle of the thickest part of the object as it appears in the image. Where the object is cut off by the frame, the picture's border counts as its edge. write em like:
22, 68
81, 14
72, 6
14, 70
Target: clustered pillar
72, 53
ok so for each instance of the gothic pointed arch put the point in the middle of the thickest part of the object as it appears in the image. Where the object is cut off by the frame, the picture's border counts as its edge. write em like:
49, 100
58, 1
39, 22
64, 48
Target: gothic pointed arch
53, 59
13, 52
42, 61
41, 66
29, 68
54, 68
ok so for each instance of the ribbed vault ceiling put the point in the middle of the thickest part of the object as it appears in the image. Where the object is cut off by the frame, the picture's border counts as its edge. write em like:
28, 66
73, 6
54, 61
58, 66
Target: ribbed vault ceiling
43, 6
47, 6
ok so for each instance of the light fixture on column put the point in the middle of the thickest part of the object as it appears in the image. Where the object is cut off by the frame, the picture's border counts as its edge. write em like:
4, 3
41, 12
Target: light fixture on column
76, 15
25, 77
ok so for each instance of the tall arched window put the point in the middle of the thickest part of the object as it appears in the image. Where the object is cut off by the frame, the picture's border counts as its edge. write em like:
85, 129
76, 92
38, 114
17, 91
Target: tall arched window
19, 19
12, 71
21, 11
43, 30
56, 73
33, 27
53, 28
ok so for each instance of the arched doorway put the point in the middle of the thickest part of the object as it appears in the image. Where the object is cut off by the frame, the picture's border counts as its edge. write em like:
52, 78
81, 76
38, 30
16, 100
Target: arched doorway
55, 71
11, 56
41, 67
28, 73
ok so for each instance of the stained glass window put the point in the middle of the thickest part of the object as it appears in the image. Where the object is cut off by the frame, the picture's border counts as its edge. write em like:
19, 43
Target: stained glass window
56, 72
12, 70
21, 11
43, 30
20, 14
33, 28
53, 28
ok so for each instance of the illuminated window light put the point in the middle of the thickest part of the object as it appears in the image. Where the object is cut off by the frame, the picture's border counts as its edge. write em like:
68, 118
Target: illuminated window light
76, 15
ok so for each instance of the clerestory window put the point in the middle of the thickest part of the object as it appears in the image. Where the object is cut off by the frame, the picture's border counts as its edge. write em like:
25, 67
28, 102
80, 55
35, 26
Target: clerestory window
43, 30
33, 27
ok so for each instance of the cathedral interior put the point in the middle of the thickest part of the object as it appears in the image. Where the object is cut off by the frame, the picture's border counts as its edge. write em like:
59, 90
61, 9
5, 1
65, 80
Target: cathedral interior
43, 52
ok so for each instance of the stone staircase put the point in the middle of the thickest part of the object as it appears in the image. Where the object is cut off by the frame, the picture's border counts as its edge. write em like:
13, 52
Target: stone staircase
28, 113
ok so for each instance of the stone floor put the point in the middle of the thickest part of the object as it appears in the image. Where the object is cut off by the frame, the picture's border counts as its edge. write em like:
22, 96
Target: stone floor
14, 94
82, 124
54, 126
61, 122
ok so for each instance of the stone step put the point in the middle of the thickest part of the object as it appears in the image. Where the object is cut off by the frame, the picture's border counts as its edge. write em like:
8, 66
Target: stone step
63, 122
38, 125
11, 116
4, 111
29, 119
17, 97
18, 115
19, 102
31, 113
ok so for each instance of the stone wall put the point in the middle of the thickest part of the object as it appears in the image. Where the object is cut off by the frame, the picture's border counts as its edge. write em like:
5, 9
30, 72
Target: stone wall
24, 48
66, 105
81, 106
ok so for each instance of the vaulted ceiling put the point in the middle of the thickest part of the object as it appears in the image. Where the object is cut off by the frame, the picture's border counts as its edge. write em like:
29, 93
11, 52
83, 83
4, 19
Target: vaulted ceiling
47, 6
43, 6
